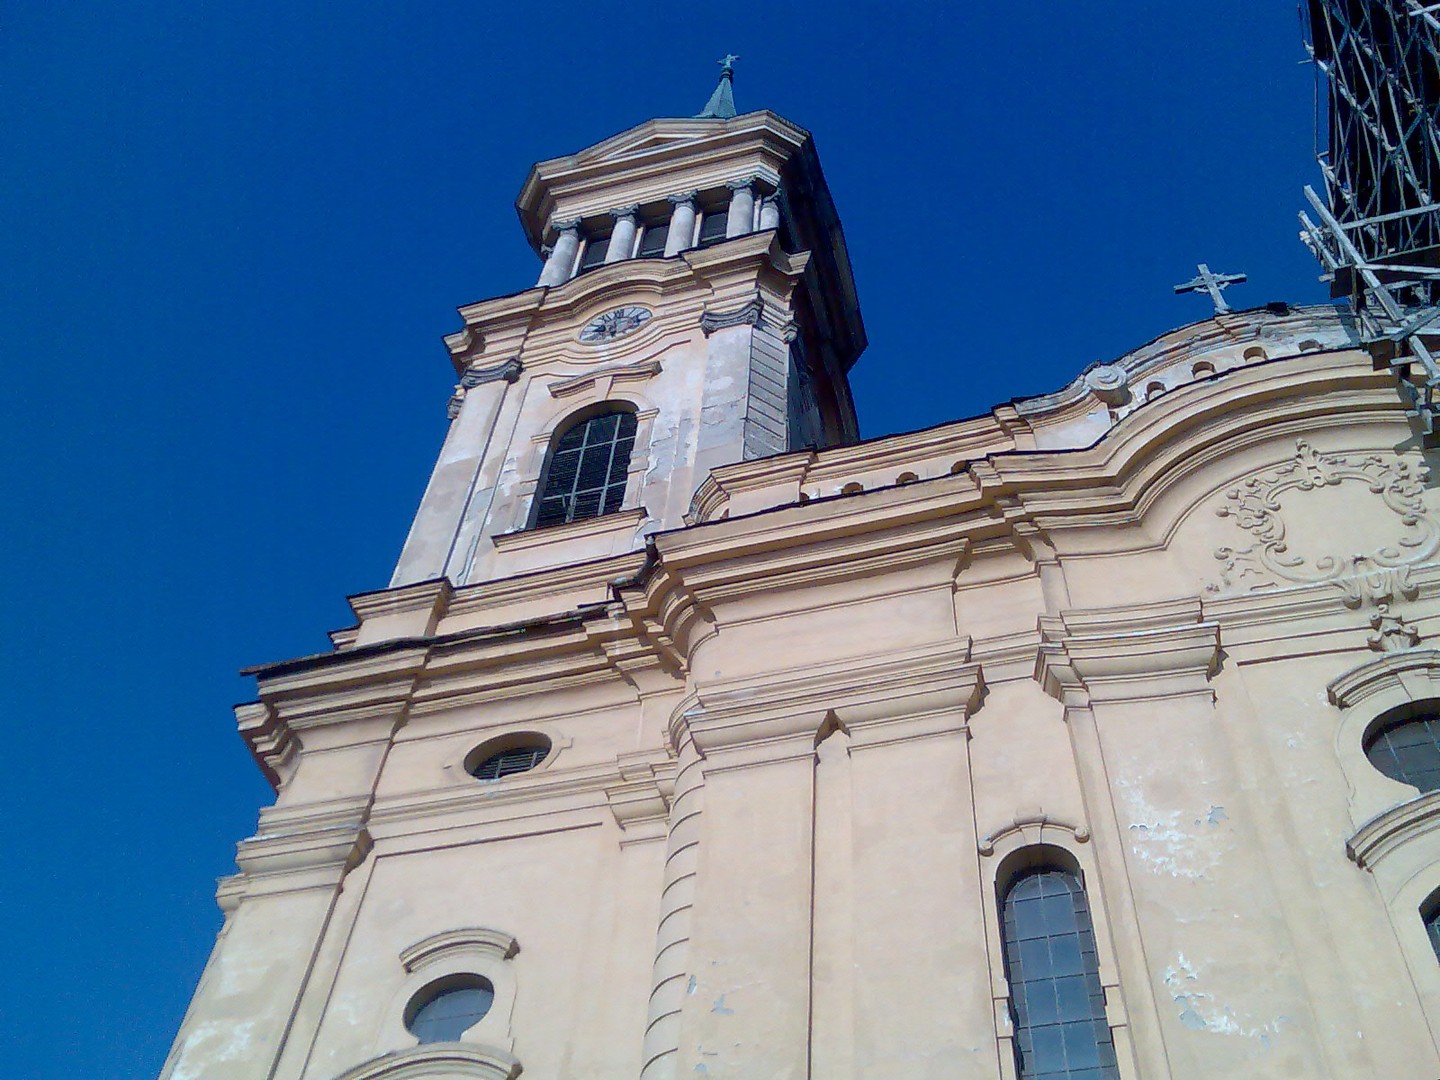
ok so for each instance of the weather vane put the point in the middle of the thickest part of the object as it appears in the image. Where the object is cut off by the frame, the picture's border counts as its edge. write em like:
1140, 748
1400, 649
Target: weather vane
1212, 283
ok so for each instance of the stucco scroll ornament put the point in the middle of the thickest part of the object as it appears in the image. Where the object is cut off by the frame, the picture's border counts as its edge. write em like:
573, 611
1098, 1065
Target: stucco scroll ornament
1377, 573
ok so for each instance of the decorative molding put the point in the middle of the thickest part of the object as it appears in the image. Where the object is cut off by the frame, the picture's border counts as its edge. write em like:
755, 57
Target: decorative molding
1031, 825
1377, 575
474, 376
472, 941
750, 314
1415, 673
1386, 832
1391, 632
1148, 652
641, 801
450, 1060
1109, 382
607, 377
614, 324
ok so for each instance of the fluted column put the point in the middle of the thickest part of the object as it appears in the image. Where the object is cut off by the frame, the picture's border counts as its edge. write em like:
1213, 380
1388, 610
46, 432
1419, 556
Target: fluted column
682, 223
622, 237
562, 255
742, 207
671, 973
770, 212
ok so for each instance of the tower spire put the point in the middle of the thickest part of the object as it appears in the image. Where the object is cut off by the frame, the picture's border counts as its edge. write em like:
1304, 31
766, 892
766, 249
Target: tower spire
721, 105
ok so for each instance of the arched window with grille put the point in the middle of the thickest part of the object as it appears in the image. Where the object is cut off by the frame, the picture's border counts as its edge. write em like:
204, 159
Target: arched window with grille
1056, 1000
588, 466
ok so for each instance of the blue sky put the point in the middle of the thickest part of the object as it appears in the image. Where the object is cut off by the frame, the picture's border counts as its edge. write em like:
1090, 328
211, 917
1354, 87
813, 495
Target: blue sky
232, 235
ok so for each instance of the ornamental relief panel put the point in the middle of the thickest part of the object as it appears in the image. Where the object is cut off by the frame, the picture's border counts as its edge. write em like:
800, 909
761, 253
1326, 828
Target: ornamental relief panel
1357, 521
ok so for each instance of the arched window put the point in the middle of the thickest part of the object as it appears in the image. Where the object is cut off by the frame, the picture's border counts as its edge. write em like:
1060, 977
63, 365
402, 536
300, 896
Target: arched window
1407, 748
587, 470
1056, 1000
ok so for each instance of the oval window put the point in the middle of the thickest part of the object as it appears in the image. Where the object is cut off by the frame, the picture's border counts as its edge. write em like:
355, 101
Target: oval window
444, 1011
1408, 749
496, 760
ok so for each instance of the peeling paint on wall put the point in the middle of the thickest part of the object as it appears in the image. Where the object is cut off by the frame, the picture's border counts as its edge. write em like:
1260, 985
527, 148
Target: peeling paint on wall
1160, 839
1200, 1011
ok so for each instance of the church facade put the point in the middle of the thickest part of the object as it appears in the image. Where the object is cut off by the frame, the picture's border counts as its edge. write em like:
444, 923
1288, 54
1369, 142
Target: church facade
1094, 737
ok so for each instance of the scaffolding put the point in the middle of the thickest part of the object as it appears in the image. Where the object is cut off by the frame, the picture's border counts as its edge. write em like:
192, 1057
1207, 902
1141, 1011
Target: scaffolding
1376, 231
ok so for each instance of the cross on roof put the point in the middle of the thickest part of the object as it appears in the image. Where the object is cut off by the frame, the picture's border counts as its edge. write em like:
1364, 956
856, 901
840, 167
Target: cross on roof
728, 63
1212, 283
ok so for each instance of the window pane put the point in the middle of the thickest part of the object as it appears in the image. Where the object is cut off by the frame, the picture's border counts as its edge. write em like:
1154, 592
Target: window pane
595, 249
712, 227
450, 1013
652, 243
1056, 1000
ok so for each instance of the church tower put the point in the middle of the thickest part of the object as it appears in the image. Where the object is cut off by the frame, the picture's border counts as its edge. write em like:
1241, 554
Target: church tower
694, 308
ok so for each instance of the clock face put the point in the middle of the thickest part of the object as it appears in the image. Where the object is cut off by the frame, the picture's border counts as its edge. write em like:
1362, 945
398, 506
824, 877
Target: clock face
614, 324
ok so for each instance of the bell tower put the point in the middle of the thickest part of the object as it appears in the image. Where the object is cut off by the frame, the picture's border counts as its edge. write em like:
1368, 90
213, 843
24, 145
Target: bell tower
695, 286
463, 872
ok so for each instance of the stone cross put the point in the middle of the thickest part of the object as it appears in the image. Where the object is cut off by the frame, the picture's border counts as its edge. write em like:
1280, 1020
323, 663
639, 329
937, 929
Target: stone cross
728, 63
1212, 283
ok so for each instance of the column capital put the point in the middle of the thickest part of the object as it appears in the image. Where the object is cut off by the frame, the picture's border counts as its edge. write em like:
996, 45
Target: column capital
743, 183
621, 212
569, 225
683, 197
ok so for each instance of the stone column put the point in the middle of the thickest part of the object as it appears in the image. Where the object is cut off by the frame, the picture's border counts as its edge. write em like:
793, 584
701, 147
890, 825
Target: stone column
770, 212
682, 223
562, 255
742, 207
671, 972
622, 238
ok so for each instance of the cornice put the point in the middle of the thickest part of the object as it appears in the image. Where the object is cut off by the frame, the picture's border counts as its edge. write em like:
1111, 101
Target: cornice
620, 522
1387, 832
876, 699
1035, 827
1142, 652
464, 942
455, 1061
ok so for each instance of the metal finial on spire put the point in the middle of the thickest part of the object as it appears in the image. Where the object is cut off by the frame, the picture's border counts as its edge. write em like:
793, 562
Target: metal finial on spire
1212, 283
721, 105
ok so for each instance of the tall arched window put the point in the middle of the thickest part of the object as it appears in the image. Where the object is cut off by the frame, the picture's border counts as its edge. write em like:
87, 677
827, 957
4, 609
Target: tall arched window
1056, 1000
587, 470
1406, 747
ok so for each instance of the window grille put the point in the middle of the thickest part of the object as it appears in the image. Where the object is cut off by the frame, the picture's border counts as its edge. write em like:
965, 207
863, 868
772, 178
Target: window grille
517, 759
458, 1006
1408, 750
1056, 1000
587, 472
